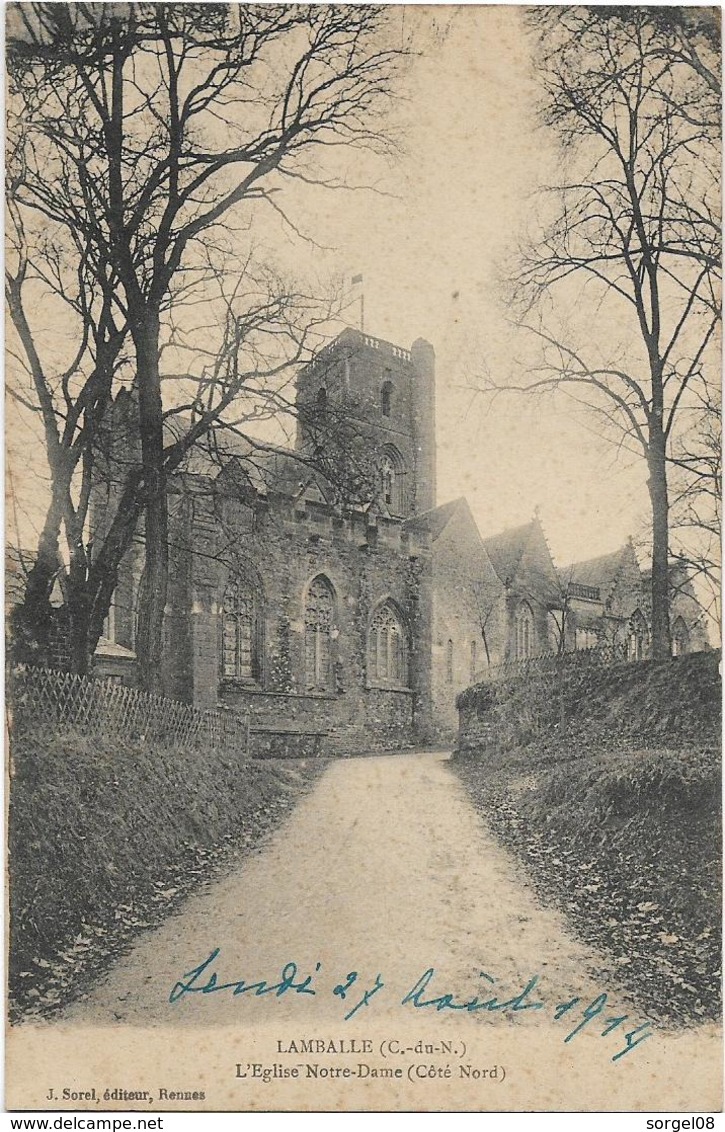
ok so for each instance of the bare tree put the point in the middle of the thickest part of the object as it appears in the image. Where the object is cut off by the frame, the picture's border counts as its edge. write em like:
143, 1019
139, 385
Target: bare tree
68, 391
147, 134
622, 290
560, 613
696, 507
486, 608
235, 379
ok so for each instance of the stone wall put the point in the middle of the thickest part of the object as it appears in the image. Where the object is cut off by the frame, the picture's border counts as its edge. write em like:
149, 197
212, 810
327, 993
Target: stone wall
287, 546
351, 373
536, 584
377, 719
461, 590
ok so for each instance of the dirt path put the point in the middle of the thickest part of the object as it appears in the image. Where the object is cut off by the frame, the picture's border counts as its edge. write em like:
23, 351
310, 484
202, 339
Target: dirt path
384, 868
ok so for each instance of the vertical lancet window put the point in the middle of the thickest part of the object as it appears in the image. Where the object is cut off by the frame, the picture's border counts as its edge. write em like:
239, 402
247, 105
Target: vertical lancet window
524, 627
680, 638
392, 480
387, 480
637, 637
387, 648
319, 618
241, 625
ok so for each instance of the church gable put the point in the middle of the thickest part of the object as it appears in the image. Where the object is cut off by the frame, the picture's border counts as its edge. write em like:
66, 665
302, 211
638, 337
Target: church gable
462, 568
310, 491
505, 551
456, 538
536, 574
467, 602
524, 567
234, 480
624, 597
522, 561
611, 581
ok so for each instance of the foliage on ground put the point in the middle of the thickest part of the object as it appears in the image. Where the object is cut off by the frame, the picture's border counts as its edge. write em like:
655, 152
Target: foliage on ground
617, 815
630, 703
104, 841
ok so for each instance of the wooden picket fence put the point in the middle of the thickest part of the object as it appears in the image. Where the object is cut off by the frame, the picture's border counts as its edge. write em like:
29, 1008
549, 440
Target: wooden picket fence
43, 697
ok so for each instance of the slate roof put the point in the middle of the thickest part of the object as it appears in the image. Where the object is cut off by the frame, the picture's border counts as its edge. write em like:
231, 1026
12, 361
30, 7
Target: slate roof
506, 549
599, 572
675, 567
268, 467
439, 517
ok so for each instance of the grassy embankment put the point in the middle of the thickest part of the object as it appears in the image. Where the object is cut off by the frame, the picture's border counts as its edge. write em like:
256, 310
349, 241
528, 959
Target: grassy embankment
616, 812
105, 839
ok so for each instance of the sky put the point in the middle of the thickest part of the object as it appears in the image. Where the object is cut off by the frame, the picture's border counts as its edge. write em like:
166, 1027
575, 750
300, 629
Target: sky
431, 260
430, 250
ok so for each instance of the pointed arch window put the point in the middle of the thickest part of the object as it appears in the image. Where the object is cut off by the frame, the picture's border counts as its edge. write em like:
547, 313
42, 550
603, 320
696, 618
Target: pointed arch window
387, 480
473, 661
387, 648
524, 631
391, 481
319, 627
449, 662
680, 638
321, 399
386, 398
638, 636
120, 625
109, 621
241, 630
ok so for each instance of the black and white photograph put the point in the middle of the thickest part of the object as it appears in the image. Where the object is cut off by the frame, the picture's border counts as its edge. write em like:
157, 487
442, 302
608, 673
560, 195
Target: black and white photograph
362, 577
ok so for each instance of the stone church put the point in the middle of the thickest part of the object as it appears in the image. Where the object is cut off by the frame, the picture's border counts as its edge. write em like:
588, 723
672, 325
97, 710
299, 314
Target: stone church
320, 592
295, 599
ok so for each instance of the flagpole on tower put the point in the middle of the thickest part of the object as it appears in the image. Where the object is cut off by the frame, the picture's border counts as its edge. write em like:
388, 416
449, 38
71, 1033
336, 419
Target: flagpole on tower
357, 281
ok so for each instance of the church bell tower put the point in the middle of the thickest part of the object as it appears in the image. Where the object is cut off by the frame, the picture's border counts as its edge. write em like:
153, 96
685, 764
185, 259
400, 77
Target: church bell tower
383, 396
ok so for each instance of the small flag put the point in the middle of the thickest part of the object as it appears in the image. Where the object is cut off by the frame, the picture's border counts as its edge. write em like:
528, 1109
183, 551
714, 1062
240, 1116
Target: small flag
357, 279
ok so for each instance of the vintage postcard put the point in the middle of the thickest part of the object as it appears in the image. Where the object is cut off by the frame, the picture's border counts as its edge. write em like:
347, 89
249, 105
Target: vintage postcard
362, 573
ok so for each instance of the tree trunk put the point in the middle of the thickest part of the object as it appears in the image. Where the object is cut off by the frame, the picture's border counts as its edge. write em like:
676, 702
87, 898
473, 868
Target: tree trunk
153, 591
78, 636
33, 620
103, 576
657, 485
